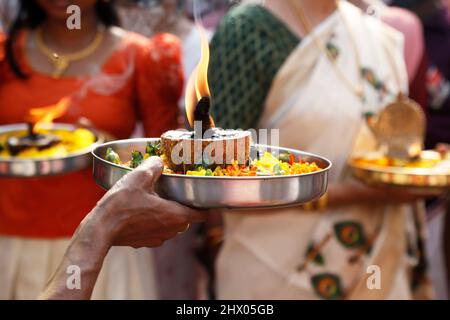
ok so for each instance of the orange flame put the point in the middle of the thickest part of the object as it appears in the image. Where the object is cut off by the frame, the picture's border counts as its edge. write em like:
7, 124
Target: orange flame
197, 86
43, 117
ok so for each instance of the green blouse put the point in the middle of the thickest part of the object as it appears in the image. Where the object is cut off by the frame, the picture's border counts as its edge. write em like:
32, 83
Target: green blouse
247, 50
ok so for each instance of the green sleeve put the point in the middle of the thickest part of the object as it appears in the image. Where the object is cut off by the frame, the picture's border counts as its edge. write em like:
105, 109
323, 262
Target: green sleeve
247, 50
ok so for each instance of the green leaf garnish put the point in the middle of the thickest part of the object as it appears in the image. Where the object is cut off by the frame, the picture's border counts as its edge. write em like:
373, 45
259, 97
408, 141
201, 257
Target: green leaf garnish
284, 157
136, 159
153, 148
112, 156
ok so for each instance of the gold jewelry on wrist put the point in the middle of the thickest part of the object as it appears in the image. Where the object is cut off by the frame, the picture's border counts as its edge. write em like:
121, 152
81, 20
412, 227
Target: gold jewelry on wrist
322, 203
215, 235
319, 205
309, 206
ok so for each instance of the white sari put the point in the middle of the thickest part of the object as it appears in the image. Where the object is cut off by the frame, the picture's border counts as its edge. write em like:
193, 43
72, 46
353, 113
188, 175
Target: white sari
315, 111
26, 265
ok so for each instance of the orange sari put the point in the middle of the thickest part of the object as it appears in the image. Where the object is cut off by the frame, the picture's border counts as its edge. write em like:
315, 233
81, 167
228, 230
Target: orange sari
142, 80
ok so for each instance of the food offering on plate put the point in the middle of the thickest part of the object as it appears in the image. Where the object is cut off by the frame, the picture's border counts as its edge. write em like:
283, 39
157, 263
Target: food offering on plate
400, 160
272, 177
266, 165
40, 147
47, 143
428, 159
430, 170
209, 167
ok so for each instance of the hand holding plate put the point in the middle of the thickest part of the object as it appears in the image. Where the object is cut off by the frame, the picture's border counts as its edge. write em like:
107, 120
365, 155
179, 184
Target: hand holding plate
136, 216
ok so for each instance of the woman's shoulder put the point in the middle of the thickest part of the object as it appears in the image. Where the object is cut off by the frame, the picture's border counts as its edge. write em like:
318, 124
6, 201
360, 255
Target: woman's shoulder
410, 26
247, 12
163, 42
402, 19
245, 23
405, 22
158, 57
255, 17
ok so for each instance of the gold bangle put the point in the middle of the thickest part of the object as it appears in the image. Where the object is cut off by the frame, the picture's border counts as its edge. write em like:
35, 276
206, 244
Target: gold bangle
322, 203
309, 206
215, 236
214, 233
319, 205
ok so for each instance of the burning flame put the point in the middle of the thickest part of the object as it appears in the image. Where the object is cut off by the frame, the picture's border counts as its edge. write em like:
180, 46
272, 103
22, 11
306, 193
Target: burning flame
42, 117
197, 86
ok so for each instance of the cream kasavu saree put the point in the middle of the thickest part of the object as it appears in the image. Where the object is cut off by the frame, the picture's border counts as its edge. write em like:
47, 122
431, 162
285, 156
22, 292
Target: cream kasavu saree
264, 252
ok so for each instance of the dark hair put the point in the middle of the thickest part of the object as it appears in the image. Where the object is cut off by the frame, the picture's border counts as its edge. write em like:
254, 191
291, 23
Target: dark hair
31, 15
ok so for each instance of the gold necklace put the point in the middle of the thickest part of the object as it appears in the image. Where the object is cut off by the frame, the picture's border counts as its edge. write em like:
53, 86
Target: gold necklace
357, 89
62, 62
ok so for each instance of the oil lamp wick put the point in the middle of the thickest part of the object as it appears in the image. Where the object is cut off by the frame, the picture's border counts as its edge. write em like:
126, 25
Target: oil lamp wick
31, 134
201, 113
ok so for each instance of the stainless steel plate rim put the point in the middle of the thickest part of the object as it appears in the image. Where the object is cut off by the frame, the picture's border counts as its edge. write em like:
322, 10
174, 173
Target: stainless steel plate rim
182, 176
21, 126
238, 193
402, 178
399, 170
43, 166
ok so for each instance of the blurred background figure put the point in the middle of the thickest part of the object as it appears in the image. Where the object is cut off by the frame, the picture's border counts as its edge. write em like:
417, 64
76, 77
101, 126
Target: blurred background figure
113, 78
8, 11
212, 11
411, 27
270, 67
140, 16
435, 16
149, 17
174, 19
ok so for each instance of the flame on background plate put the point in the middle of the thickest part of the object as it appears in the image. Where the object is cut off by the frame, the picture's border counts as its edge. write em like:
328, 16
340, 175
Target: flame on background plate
43, 117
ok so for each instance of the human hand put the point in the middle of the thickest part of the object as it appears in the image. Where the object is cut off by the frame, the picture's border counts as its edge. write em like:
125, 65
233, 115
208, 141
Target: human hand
132, 214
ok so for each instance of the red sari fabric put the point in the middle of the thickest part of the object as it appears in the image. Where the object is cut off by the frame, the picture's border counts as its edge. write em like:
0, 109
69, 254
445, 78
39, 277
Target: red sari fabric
142, 80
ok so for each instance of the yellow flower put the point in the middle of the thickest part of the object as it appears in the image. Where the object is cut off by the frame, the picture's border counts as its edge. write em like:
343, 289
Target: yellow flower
201, 173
